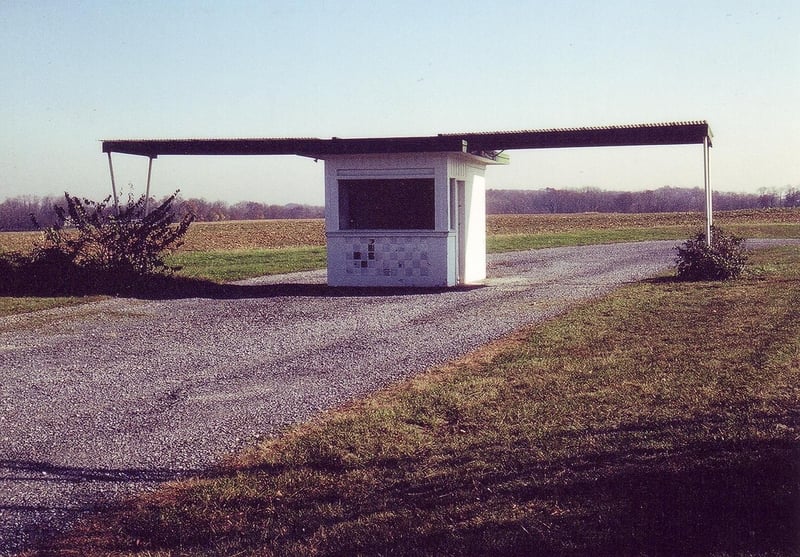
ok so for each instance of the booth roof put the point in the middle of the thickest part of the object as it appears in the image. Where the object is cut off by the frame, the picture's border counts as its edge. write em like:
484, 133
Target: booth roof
486, 144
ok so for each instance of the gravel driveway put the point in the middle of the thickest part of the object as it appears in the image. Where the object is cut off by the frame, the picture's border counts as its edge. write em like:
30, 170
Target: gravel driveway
112, 397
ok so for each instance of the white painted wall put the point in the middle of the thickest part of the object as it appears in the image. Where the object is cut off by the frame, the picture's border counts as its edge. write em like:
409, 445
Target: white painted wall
475, 233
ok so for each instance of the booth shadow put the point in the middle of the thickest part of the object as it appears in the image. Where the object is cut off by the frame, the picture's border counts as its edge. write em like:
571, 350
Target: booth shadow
172, 287
324, 291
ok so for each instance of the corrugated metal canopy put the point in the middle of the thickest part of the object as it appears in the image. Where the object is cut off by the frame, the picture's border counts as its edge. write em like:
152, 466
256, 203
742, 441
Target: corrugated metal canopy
486, 144
309, 147
675, 133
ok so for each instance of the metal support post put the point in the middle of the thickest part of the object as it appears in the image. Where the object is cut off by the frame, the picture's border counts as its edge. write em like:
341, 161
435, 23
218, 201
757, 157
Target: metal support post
147, 189
707, 183
113, 185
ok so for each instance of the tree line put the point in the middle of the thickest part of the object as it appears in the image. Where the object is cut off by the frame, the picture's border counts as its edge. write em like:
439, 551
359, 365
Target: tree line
20, 213
661, 200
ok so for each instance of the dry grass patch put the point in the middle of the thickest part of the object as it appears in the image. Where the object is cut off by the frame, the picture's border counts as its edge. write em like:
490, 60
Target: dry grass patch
10, 305
662, 419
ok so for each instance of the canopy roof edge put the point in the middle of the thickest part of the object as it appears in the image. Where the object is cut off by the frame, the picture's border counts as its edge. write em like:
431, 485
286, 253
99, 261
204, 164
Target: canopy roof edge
485, 144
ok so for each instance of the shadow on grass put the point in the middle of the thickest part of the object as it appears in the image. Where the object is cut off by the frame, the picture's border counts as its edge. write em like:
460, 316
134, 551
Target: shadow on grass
38, 471
748, 505
725, 497
713, 496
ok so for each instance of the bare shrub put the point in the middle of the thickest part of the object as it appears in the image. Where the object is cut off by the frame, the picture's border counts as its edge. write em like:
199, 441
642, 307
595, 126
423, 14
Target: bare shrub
724, 259
94, 249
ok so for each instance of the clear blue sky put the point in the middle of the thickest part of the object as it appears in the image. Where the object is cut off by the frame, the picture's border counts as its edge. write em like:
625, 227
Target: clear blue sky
75, 72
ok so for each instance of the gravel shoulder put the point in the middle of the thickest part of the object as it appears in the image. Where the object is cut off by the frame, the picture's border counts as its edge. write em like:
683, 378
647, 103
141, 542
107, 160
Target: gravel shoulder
110, 398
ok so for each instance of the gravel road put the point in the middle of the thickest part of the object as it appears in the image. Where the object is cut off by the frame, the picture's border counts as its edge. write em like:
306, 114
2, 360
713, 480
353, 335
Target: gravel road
105, 399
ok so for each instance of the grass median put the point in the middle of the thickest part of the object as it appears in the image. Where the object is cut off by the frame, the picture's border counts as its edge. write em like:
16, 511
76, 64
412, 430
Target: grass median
661, 419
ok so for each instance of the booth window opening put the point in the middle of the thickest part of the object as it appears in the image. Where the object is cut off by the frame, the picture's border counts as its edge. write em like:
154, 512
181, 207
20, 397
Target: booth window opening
387, 204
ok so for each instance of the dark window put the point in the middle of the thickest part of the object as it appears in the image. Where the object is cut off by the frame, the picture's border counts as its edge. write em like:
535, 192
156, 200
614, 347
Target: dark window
405, 204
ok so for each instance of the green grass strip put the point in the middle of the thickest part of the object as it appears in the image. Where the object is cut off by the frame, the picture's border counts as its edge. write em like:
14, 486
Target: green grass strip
521, 242
585, 237
661, 419
226, 266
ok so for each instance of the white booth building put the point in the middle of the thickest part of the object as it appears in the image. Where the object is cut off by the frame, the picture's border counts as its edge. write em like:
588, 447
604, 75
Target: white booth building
406, 219
411, 211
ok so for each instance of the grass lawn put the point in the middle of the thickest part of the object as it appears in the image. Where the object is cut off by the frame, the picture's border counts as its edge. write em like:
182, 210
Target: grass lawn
581, 237
225, 266
663, 419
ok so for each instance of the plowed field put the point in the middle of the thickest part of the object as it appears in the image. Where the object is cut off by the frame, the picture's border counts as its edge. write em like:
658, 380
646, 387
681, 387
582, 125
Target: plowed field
254, 234
18, 241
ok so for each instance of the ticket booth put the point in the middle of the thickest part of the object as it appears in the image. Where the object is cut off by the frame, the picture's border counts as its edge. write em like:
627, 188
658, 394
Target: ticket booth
406, 219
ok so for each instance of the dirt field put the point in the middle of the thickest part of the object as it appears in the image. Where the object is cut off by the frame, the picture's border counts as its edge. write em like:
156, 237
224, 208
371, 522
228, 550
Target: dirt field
18, 241
252, 234
532, 224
